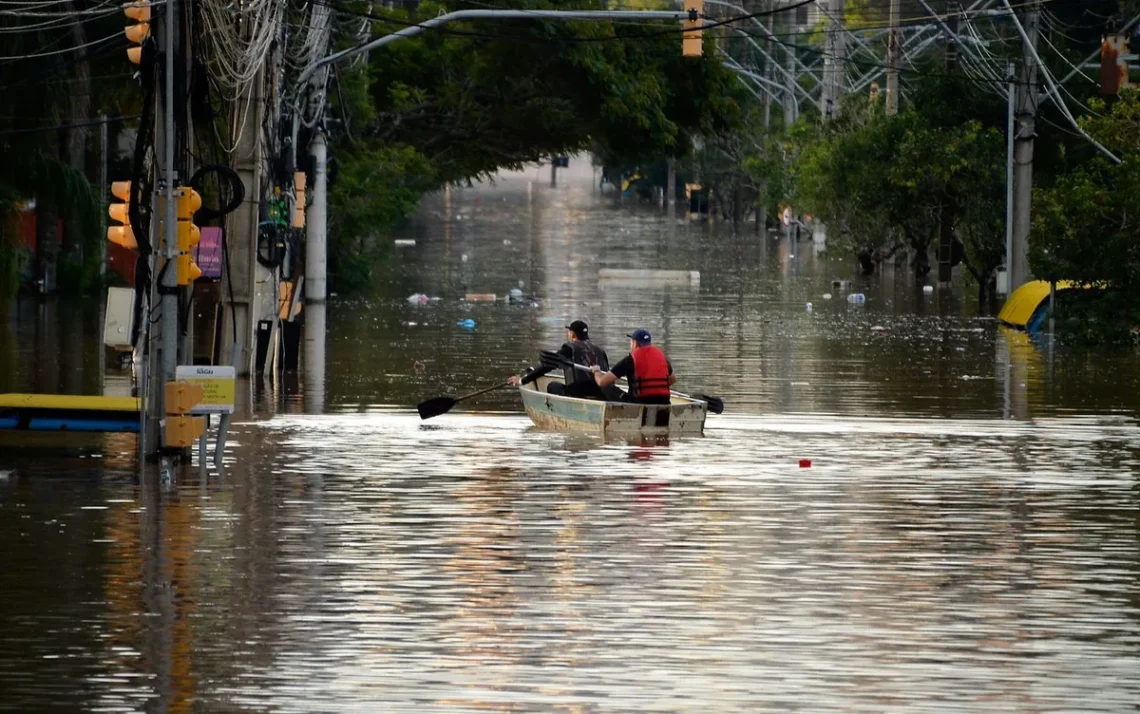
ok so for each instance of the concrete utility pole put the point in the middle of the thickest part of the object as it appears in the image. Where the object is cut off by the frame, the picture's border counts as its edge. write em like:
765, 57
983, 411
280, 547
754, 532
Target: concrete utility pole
1026, 122
1010, 129
769, 72
790, 106
242, 227
946, 212
316, 225
893, 53
834, 60
163, 235
102, 195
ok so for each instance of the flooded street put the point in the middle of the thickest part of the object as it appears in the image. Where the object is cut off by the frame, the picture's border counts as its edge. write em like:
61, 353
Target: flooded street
966, 538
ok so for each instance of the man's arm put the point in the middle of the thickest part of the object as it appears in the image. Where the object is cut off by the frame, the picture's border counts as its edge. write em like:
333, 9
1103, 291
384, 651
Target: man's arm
622, 369
672, 377
532, 374
603, 379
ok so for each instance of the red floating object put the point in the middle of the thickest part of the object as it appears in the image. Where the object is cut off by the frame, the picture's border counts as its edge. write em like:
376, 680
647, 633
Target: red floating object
805, 463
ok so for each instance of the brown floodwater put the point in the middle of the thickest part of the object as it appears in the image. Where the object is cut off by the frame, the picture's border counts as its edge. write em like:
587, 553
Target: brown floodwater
966, 538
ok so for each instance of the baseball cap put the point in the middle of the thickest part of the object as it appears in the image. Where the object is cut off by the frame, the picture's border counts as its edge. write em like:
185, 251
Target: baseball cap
579, 328
641, 337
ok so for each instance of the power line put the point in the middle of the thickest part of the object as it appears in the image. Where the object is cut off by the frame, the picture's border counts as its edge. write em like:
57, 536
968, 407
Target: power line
560, 38
60, 127
17, 58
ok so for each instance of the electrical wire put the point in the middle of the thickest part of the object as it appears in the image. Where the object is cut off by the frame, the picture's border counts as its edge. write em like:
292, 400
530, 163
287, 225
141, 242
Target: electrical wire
61, 22
17, 58
58, 127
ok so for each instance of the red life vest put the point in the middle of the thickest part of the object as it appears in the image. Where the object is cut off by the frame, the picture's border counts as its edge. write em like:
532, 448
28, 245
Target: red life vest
650, 373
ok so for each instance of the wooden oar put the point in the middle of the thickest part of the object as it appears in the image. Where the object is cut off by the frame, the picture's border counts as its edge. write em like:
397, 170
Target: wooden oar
557, 359
442, 405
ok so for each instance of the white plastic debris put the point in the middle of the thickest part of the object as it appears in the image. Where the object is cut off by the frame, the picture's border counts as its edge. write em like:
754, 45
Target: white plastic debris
856, 298
827, 296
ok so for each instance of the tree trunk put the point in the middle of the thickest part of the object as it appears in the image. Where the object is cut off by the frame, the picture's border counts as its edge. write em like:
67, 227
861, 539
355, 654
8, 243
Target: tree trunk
75, 151
738, 206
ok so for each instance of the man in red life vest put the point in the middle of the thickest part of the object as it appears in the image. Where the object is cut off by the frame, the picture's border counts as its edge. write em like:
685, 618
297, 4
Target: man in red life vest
646, 368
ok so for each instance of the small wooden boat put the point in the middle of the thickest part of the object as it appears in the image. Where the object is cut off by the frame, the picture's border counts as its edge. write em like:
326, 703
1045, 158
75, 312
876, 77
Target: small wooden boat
685, 416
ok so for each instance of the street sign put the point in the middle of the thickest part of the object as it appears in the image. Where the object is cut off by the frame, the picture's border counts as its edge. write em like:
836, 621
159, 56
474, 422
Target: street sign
219, 385
208, 253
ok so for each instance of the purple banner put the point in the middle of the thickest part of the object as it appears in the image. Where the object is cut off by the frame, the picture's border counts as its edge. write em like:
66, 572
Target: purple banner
208, 254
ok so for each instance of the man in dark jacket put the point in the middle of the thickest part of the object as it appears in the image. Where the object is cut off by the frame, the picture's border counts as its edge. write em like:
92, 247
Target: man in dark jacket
578, 349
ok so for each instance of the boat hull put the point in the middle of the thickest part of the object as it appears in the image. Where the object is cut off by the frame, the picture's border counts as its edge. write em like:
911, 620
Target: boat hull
684, 417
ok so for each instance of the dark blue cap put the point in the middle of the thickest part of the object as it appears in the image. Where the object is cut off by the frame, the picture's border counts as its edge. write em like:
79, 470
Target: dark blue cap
641, 337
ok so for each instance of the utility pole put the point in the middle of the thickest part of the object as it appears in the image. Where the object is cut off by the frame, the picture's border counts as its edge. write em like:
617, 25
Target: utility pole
1009, 163
163, 235
790, 97
834, 60
769, 71
102, 195
946, 209
1025, 132
316, 225
670, 186
893, 53
242, 226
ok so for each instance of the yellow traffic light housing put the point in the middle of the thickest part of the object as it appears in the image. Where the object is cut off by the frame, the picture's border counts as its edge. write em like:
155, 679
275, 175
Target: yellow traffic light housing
179, 428
139, 11
182, 397
691, 39
187, 202
120, 213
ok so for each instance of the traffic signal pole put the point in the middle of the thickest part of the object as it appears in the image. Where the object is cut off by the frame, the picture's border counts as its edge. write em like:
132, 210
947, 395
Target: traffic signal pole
169, 289
163, 361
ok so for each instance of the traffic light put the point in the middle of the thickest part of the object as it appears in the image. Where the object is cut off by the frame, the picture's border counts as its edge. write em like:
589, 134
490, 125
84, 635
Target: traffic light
180, 429
139, 11
691, 44
188, 202
120, 213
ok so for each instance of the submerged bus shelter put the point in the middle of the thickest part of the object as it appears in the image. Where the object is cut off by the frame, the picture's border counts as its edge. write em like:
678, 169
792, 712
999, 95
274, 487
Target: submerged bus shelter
1028, 306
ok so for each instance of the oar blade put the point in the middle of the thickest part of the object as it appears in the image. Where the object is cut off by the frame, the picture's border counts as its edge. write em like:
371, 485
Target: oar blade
435, 407
553, 360
716, 404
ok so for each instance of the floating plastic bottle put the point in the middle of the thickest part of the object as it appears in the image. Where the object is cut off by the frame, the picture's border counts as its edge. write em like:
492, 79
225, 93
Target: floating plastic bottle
856, 298
468, 323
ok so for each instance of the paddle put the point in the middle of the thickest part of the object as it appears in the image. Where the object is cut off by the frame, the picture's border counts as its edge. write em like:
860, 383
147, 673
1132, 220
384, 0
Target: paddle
442, 405
558, 360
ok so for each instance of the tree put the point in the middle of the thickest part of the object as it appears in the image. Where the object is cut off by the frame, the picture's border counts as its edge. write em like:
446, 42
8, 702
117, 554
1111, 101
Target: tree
887, 182
1085, 225
467, 100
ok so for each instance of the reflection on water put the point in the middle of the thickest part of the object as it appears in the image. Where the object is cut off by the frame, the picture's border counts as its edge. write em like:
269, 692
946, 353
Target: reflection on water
966, 537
